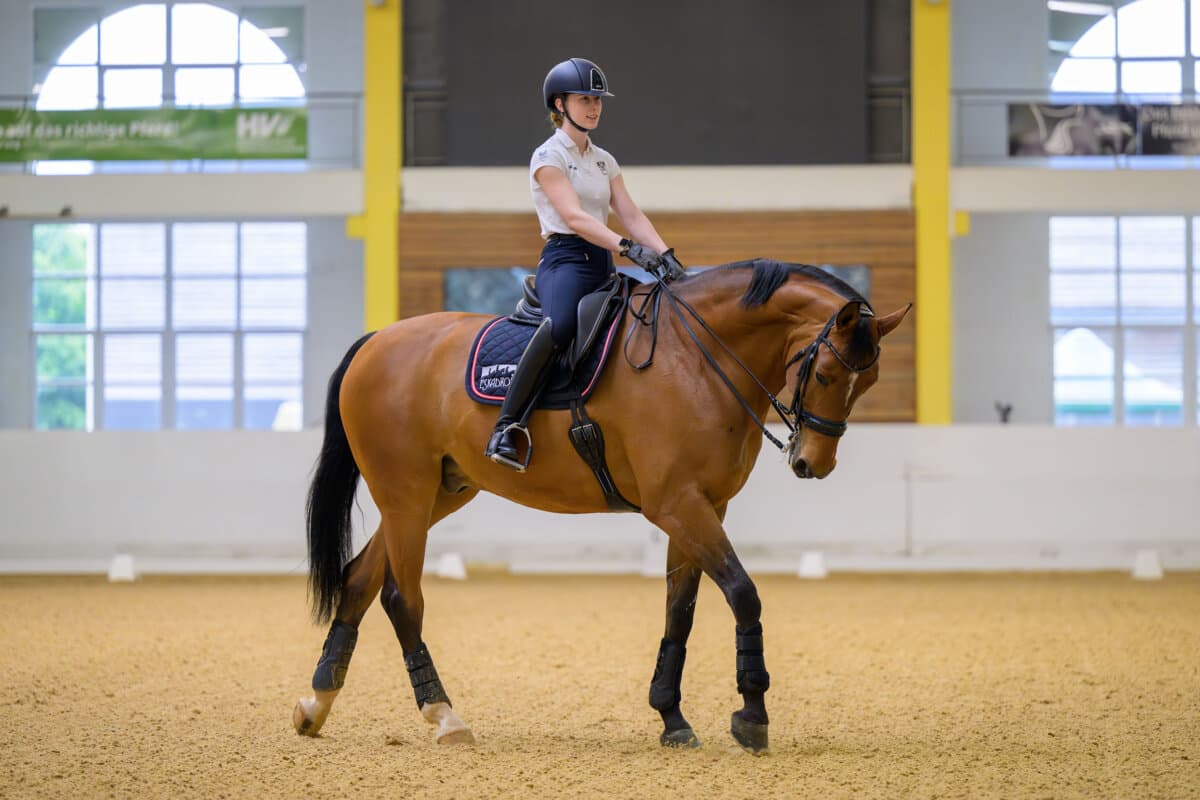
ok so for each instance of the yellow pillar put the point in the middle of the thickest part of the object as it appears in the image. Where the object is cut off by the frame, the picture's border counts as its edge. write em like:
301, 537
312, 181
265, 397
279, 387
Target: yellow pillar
379, 223
931, 204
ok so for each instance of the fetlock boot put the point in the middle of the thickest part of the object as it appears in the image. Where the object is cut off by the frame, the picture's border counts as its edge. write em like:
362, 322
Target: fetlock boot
522, 390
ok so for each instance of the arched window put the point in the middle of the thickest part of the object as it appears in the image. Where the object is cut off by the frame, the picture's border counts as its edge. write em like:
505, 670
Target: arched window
155, 54
1132, 47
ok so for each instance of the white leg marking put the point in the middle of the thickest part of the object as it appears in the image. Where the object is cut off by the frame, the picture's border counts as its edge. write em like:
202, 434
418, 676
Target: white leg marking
310, 712
450, 729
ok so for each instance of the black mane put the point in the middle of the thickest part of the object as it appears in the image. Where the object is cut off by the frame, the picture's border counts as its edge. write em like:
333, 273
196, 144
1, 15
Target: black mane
769, 275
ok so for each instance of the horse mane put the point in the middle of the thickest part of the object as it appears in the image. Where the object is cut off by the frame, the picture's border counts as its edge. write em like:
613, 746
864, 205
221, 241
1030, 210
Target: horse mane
769, 275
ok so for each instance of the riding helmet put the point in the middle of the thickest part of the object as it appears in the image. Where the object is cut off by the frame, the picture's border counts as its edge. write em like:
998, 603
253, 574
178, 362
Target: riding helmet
574, 76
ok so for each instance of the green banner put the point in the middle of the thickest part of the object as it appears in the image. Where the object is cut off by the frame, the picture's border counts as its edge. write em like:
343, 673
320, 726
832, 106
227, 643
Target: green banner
156, 134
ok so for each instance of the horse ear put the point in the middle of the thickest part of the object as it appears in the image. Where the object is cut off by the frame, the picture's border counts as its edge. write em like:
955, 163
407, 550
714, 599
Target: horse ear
849, 314
888, 324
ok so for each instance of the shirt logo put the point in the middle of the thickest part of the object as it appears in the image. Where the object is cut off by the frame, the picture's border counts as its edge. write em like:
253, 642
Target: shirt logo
603, 167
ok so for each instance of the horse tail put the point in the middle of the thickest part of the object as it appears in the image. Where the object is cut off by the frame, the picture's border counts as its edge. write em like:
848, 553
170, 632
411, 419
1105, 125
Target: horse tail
330, 500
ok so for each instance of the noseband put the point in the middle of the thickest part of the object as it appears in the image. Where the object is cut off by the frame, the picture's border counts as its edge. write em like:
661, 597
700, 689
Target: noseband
795, 416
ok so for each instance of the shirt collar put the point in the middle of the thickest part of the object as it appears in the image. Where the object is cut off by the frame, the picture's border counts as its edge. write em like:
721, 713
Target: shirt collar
565, 140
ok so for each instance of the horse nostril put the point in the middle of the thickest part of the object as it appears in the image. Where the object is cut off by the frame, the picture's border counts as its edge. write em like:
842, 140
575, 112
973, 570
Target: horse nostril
801, 469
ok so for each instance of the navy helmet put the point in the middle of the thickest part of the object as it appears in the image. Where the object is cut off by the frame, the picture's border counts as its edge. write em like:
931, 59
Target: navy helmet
574, 76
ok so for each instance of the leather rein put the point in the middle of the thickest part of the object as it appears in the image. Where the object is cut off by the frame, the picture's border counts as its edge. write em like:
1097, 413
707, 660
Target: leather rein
794, 416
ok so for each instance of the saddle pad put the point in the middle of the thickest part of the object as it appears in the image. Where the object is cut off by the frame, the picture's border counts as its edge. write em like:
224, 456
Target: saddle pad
497, 349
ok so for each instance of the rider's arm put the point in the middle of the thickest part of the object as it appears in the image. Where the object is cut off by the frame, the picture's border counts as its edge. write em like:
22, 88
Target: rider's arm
635, 221
562, 196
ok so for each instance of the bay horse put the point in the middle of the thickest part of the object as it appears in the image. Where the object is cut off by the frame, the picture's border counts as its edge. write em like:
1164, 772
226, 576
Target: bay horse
683, 430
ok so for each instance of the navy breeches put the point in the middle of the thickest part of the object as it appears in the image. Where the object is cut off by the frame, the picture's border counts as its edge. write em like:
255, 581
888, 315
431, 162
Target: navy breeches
570, 267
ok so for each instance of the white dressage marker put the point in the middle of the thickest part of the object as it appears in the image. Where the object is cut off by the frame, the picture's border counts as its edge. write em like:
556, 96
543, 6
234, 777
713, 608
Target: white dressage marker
1147, 566
451, 567
812, 565
121, 569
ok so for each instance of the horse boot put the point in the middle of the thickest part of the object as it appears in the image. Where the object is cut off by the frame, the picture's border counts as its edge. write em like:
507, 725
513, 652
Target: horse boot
522, 390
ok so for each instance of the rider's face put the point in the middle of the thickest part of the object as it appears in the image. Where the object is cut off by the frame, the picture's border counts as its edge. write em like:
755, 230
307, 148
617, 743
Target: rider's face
585, 109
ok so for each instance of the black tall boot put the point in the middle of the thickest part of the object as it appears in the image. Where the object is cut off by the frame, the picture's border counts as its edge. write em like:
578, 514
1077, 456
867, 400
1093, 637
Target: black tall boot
531, 369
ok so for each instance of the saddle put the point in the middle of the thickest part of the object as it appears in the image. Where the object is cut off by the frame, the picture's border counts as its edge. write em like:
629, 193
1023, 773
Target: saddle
498, 347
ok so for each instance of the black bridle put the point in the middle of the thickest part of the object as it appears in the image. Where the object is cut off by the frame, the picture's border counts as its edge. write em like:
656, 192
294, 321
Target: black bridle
795, 416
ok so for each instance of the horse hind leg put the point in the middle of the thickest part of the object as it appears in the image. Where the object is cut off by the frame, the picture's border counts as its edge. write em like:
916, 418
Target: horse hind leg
363, 578
404, 604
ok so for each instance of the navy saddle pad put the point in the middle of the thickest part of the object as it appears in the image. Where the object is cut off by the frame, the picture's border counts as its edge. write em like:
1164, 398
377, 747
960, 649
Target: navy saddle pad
498, 347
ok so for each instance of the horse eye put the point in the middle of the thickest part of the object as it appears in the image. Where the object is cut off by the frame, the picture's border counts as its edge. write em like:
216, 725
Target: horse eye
821, 379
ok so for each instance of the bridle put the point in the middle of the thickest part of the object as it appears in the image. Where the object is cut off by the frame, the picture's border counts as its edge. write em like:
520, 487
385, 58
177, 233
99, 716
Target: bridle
795, 416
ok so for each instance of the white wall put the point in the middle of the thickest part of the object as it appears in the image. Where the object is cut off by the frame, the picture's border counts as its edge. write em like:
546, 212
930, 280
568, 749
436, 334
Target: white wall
962, 497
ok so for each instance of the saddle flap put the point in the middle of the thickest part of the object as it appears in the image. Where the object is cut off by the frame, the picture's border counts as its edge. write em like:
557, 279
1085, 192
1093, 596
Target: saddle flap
592, 316
529, 307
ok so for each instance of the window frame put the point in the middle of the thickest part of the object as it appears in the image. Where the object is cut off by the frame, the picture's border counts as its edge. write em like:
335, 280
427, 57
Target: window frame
1189, 327
97, 334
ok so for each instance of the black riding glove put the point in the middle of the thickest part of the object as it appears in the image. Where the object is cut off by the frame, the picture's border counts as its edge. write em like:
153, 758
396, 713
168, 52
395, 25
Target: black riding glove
643, 256
672, 269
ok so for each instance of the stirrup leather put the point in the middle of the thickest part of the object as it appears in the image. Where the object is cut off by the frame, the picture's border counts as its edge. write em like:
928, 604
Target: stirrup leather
519, 466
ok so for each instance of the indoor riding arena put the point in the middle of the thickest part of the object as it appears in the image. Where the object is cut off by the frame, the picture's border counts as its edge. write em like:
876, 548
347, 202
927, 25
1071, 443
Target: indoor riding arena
793, 400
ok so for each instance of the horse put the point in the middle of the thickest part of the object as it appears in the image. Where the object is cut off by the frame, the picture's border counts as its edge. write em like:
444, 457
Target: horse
683, 430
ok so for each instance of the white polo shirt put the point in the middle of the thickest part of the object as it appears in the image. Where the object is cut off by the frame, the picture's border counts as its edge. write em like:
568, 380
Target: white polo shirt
588, 173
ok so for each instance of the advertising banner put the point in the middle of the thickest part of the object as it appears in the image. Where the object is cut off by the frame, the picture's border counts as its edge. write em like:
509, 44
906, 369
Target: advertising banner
1170, 130
1044, 129
157, 134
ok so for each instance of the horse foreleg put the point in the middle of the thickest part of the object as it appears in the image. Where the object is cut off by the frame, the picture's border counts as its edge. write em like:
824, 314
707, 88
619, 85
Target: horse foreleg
405, 606
683, 582
362, 578
695, 526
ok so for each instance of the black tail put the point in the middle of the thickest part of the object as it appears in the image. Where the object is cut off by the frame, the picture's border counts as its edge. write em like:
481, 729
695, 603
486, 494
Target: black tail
330, 500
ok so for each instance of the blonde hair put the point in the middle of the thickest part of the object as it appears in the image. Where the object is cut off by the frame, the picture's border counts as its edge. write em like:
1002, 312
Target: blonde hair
556, 119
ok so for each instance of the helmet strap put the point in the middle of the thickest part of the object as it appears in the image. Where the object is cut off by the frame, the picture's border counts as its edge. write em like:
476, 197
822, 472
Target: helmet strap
567, 114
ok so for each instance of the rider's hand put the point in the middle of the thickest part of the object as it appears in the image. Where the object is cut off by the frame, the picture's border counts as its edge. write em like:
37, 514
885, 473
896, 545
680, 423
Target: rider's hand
672, 269
643, 256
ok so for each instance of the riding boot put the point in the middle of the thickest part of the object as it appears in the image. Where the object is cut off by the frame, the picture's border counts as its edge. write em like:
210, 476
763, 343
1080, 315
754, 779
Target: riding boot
534, 363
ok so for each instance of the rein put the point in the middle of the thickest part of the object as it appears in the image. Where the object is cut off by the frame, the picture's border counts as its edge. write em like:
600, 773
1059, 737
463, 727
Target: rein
795, 417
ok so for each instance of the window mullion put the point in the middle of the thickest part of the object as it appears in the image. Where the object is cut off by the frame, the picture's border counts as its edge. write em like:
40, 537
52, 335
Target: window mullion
167, 378
1190, 355
1119, 336
239, 384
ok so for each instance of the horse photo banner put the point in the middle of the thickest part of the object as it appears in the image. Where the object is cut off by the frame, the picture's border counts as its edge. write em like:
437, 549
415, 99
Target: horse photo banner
157, 134
1086, 129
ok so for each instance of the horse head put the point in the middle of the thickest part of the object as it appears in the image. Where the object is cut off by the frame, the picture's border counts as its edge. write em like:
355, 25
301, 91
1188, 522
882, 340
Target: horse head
832, 371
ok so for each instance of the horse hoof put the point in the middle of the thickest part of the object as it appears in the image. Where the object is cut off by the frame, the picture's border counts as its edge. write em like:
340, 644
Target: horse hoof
460, 736
304, 724
752, 736
683, 738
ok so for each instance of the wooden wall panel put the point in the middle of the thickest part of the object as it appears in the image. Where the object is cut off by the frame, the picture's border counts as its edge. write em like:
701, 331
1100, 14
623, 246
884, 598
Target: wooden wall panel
883, 240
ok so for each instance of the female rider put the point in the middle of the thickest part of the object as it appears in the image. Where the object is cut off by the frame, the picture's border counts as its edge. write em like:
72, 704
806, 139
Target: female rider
574, 182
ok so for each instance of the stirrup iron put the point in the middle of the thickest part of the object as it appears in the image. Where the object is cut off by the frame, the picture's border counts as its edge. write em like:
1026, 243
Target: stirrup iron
519, 466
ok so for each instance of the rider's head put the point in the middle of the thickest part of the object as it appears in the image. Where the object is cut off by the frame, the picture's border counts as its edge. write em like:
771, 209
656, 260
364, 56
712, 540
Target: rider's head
572, 91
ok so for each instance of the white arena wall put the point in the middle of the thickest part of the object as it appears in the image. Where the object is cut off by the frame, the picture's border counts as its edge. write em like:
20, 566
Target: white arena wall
902, 498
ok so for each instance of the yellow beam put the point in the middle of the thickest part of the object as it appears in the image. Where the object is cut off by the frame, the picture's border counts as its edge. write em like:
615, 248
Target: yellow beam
379, 223
931, 204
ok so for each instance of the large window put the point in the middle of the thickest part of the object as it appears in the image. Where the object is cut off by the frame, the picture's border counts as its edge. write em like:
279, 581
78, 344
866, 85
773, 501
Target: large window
169, 325
1125, 306
1125, 46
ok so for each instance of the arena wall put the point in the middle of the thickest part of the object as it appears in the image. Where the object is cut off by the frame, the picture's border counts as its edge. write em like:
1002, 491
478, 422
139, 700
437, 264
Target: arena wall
902, 498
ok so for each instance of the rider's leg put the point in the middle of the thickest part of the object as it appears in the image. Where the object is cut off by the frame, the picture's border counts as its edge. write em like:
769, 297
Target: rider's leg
561, 281
538, 355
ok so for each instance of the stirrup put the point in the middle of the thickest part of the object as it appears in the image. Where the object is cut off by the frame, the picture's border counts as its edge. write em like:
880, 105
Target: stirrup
519, 466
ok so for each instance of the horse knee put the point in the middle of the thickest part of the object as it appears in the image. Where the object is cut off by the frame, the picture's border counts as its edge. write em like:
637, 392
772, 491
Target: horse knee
743, 599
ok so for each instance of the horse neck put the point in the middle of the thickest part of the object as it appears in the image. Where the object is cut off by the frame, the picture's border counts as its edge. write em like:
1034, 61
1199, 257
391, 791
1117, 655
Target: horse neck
759, 336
